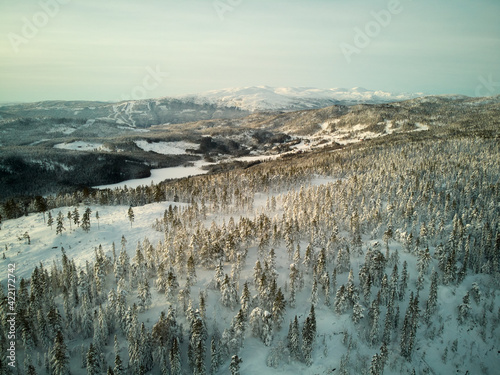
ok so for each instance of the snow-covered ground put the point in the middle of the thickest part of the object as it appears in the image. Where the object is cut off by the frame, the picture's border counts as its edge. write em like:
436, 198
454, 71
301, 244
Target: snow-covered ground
82, 146
46, 245
166, 148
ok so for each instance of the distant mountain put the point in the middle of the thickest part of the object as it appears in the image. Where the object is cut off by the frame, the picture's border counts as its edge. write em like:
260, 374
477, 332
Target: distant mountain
220, 104
265, 98
134, 113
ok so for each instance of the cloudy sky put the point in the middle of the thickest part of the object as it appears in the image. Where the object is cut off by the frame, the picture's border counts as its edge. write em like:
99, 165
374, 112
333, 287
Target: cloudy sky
112, 49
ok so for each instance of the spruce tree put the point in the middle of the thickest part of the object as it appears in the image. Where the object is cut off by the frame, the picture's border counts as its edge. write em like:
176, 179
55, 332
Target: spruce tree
60, 223
76, 216
93, 367
432, 301
144, 295
357, 313
86, 220
279, 307
59, 359
131, 216
234, 366
50, 220
175, 358
215, 355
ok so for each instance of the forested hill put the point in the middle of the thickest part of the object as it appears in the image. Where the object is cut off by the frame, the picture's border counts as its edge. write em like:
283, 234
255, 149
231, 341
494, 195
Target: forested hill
379, 258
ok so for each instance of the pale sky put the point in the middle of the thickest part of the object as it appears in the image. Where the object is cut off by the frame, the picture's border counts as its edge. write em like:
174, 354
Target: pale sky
116, 49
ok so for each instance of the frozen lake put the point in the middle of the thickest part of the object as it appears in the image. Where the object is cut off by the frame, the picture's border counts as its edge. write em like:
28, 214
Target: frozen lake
161, 174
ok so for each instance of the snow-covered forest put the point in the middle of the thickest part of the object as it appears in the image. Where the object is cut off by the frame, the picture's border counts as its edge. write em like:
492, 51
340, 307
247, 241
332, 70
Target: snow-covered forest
380, 258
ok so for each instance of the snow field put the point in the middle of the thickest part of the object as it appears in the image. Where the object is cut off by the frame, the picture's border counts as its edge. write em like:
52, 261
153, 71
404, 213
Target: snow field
166, 148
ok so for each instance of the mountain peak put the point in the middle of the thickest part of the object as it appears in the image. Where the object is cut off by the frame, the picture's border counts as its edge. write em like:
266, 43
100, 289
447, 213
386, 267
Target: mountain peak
265, 98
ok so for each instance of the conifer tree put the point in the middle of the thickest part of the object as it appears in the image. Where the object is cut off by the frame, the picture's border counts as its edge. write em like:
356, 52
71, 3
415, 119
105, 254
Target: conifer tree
76, 216
59, 359
340, 300
131, 216
279, 307
60, 223
403, 281
374, 315
234, 366
50, 220
464, 309
118, 369
245, 299
357, 313
229, 295
144, 295
175, 358
86, 220
307, 341
432, 301
93, 367
215, 355
294, 339
375, 368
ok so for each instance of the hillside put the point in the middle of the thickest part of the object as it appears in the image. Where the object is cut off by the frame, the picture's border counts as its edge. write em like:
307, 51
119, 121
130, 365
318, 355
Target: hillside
43, 155
377, 258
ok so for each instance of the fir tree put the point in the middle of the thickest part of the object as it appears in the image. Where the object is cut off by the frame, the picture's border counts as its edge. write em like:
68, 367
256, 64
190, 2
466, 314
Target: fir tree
144, 295
50, 220
234, 366
403, 281
464, 309
215, 355
340, 300
432, 301
175, 358
307, 341
375, 366
279, 307
76, 217
374, 316
357, 313
294, 339
59, 359
59, 223
229, 295
245, 299
93, 367
86, 220
131, 216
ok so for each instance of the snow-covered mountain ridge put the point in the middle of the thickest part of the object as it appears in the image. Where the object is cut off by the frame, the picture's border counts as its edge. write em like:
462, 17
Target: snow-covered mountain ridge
265, 98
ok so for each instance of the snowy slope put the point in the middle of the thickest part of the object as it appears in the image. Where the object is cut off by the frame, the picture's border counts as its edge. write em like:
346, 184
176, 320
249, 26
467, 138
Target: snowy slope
46, 246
